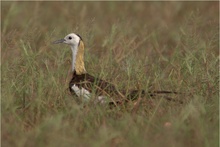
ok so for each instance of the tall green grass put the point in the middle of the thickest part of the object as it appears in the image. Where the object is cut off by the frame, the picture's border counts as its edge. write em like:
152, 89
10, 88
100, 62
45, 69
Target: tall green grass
134, 45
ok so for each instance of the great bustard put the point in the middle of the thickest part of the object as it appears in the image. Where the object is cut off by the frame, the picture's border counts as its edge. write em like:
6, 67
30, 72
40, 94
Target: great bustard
83, 85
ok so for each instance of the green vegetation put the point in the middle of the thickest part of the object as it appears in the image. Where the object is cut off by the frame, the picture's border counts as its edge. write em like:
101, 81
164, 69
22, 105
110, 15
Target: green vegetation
134, 45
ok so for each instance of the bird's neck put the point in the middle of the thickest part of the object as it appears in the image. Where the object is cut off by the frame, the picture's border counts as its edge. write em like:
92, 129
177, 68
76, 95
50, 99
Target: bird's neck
78, 59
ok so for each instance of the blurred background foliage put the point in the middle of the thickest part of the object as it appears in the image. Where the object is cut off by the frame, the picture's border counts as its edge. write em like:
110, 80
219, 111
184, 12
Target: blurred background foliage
161, 45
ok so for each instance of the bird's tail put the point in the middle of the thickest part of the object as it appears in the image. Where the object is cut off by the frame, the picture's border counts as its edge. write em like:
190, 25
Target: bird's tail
134, 94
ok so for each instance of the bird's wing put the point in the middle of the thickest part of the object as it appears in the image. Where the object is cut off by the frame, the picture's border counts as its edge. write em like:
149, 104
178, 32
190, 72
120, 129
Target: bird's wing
92, 84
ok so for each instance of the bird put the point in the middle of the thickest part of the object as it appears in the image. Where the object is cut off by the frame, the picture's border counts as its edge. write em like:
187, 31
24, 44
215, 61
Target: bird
87, 87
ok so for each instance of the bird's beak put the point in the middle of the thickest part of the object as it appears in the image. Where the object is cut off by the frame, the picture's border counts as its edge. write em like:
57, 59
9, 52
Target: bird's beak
59, 41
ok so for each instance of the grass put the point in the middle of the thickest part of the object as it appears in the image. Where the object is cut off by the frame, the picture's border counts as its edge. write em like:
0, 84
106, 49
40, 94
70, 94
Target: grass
134, 45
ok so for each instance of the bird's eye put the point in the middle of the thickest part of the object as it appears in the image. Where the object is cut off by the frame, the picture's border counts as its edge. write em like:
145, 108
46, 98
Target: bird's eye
70, 38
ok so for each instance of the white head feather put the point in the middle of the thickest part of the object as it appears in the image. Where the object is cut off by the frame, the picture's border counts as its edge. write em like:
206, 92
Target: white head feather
73, 41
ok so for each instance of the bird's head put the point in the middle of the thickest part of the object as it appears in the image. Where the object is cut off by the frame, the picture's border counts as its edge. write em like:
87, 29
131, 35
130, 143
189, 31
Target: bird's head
71, 39
77, 47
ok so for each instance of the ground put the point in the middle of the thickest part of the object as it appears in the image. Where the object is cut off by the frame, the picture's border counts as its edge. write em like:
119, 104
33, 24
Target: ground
134, 45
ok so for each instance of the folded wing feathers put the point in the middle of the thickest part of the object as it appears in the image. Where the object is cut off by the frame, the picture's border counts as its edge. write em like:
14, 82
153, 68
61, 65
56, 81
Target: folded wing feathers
85, 84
